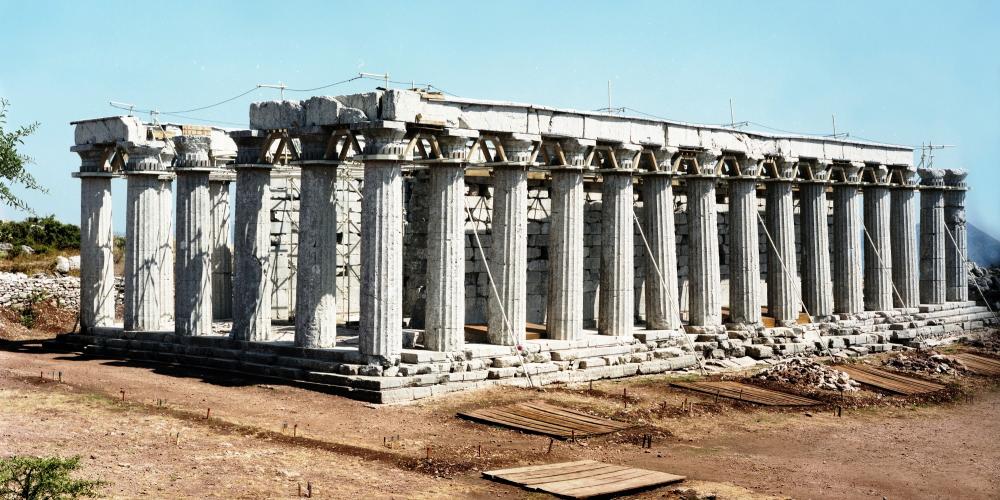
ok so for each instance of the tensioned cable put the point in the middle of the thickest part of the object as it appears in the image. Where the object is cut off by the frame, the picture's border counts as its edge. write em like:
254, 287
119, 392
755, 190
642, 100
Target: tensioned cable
881, 262
781, 261
675, 305
965, 264
496, 293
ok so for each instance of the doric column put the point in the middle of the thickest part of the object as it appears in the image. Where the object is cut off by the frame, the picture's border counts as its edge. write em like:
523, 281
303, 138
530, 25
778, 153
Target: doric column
847, 297
509, 251
903, 233
616, 300
662, 304
565, 293
878, 252
222, 250
380, 335
316, 281
932, 237
193, 264
782, 270
956, 244
705, 305
817, 287
97, 265
147, 238
744, 246
251, 277
444, 326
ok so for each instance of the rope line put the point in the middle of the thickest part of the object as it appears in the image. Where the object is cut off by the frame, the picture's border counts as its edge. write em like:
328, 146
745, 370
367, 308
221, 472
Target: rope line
788, 275
496, 293
882, 262
965, 264
675, 306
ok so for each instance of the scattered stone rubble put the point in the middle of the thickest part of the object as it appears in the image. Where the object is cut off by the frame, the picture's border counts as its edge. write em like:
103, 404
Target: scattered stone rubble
926, 362
987, 280
809, 373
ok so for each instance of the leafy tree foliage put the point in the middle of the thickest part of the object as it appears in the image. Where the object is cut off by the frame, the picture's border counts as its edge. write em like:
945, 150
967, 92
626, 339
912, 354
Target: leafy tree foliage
43, 478
12, 163
42, 234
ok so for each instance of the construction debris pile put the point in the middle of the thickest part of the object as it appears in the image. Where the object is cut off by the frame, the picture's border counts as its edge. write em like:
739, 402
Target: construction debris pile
987, 281
924, 362
806, 372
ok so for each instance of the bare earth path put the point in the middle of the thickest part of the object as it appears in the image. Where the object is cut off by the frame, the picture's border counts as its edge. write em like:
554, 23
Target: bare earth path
349, 448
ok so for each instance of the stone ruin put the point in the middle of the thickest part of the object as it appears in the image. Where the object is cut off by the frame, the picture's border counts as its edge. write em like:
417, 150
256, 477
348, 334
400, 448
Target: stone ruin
396, 244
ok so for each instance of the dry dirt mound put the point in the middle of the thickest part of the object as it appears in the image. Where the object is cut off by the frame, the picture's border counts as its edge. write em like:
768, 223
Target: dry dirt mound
39, 320
808, 373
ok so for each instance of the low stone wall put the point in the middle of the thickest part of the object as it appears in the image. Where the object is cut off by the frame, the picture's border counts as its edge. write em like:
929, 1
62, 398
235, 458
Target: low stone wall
18, 290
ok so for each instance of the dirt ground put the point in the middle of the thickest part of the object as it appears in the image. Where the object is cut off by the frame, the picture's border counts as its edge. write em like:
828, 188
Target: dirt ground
158, 443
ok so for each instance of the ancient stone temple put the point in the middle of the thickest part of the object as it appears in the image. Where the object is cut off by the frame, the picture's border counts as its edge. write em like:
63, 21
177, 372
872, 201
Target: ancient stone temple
396, 244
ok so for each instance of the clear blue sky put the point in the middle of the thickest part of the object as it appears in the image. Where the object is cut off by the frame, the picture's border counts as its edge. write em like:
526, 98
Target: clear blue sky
899, 72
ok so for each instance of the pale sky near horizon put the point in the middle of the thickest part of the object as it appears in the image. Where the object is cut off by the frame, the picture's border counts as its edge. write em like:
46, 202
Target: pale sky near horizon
897, 72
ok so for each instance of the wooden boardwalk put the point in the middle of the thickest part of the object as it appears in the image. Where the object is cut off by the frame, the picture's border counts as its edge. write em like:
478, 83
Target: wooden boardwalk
582, 479
888, 381
980, 365
542, 418
746, 393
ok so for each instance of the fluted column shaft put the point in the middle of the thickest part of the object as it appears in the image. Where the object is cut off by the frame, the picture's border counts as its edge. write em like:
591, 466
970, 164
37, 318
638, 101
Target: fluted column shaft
817, 287
565, 292
316, 280
252, 278
193, 266
847, 296
444, 328
144, 252
878, 252
662, 306
744, 262
166, 251
381, 323
904, 247
508, 254
616, 299
705, 307
932, 245
956, 246
97, 264
782, 275
222, 251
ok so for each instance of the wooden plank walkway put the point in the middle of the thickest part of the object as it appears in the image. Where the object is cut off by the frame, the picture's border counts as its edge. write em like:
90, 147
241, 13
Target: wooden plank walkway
747, 393
582, 479
980, 365
888, 381
546, 419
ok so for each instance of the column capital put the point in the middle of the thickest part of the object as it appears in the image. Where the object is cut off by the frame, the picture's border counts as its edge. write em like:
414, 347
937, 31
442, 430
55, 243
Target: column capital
94, 158
846, 172
955, 178
387, 141
619, 158
875, 174
779, 168
570, 153
931, 178
903, 176
249, 146
193, 152
737, 165
698, 162
813, 171
516, 149
149, 156
452, 146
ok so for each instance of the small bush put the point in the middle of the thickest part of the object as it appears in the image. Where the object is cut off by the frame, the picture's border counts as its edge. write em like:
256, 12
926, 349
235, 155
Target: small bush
42, 234
31, 478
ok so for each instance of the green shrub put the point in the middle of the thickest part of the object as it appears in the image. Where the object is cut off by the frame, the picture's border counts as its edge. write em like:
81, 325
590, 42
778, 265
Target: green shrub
42, 234
37, 478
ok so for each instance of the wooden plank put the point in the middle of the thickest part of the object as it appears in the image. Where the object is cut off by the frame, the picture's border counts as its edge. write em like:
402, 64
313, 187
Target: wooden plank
889, 381
747, 393
979, 365
582, 479
542, 418
526, 468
